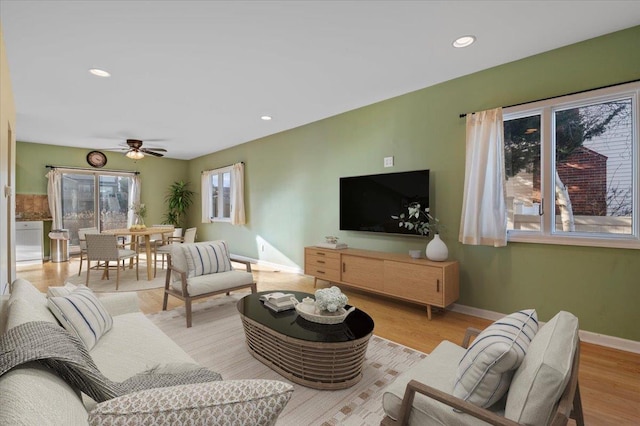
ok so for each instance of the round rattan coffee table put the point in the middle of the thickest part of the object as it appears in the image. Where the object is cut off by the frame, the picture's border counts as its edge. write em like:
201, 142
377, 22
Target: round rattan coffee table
314, 355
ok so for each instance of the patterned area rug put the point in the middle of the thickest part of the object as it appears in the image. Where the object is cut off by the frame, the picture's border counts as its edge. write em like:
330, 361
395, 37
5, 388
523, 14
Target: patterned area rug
127, 282
217, 341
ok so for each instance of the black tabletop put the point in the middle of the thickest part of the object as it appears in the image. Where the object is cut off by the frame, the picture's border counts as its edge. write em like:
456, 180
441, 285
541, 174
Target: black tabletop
356, 326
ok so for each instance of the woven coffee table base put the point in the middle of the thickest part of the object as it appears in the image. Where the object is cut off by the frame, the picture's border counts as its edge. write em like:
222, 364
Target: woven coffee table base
318, 365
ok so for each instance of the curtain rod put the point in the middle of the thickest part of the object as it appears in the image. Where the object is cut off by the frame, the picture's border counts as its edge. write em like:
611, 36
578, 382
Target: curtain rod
221, 167
90, 170
567, 94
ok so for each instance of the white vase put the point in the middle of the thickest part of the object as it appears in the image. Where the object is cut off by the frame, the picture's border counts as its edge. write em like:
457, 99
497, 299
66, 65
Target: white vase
437, 249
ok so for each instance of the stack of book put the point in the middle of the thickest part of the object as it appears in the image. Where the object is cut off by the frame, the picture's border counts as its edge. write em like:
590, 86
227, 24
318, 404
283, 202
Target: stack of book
278, 301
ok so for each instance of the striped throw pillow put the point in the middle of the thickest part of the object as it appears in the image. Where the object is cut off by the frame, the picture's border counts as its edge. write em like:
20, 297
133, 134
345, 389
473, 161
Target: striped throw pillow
207, 257
485, 372
82, 314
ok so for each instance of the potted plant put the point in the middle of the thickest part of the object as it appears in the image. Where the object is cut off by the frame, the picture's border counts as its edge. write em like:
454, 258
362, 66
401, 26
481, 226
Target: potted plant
179, 198
421, 222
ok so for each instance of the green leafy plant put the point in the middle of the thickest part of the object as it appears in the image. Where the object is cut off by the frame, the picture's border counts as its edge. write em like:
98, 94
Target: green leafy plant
179, 198
418, 220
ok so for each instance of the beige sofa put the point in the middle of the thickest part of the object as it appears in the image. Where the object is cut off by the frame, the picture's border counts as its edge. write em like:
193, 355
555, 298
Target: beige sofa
33, 395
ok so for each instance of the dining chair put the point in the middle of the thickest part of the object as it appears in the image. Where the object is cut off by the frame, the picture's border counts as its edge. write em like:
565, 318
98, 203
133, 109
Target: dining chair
155, 240
105, 248
164, 250
83, 243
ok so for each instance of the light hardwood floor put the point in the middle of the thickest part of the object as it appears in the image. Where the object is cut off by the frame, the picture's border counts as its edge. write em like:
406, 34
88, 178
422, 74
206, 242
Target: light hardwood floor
609, 379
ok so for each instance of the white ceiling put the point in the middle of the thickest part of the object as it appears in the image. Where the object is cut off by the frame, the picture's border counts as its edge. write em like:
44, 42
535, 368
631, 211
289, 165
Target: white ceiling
199, 74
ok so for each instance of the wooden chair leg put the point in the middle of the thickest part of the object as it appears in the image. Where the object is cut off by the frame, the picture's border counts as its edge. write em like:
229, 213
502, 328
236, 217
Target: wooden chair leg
137, 268
187, 307
576, 413
117, 275
165, 300
254, 288
80, 270
88, 270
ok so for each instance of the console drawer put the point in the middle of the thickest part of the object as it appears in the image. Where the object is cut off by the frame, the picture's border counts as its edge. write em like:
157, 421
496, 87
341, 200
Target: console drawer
322, 272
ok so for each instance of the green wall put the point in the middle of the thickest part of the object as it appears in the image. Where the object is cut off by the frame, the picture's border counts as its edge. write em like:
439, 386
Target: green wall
292, 187
156, 173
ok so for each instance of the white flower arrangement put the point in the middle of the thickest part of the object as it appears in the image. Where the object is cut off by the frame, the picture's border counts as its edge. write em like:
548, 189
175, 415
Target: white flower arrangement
330, 299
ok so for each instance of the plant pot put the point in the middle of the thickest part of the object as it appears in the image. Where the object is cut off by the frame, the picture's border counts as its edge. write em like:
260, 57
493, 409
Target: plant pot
437, 249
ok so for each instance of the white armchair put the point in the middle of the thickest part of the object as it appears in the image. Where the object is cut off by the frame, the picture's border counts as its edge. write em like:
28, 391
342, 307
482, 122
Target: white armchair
544, 389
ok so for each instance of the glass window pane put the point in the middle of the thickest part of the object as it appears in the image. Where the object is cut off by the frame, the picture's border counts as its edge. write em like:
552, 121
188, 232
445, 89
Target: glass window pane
226, 208
113, 201
594, 168
522, 167
215, 195
77, 203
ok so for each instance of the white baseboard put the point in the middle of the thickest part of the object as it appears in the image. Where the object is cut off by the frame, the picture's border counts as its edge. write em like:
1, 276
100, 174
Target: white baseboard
279, 267
586, 336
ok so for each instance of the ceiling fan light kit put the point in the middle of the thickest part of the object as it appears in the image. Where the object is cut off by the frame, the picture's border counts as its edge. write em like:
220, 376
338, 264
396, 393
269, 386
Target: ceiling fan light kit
134, 155
135, 151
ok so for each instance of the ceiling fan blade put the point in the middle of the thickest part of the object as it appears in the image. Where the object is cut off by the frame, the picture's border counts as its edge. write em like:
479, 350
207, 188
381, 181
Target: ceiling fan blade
155, 149
155, 154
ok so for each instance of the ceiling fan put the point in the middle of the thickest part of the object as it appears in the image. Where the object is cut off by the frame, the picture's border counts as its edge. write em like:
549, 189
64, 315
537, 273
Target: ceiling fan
135, 150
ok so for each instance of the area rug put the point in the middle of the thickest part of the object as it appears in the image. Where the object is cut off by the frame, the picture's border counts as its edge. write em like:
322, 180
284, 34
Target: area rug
128, 280
217, 341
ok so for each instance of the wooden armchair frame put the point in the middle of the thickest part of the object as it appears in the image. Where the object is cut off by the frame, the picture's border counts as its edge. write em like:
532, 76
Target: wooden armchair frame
569, 406
184, 294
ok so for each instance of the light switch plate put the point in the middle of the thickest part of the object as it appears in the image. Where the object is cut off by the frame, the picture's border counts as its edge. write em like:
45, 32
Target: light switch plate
388, 161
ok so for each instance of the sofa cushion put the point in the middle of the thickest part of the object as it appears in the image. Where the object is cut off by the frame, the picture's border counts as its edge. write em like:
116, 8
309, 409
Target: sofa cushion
33, 304
135, 344
21, 311
23, 289
82, 314
539, 382
247, 402
215, 282
437, 370
205, 258
34, 395
485, 371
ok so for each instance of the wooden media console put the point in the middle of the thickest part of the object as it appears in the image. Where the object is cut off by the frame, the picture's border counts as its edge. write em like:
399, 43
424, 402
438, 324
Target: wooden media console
395, 275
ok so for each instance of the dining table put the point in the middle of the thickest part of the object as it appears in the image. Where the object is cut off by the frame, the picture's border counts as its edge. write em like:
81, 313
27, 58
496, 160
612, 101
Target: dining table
146, 233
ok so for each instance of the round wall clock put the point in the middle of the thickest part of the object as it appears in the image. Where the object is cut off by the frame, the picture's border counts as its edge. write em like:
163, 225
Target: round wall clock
96, 159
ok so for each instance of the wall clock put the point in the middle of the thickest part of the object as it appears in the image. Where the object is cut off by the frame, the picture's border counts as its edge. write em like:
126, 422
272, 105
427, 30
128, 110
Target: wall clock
96, 159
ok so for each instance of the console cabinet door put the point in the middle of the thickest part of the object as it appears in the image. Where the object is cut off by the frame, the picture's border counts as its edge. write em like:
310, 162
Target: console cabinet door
421, 283
363, 272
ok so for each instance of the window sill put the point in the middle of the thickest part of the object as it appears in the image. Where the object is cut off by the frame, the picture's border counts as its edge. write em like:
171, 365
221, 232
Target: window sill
620, 243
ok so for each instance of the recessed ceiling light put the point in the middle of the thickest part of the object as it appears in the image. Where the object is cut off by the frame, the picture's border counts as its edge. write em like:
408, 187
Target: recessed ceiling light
100, 73
266, 117
464, 41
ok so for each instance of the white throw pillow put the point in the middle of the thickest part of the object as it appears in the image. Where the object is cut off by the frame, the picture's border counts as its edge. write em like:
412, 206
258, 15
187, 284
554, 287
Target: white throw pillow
65, 290
544, 373
485, 372
82, 314
206, 258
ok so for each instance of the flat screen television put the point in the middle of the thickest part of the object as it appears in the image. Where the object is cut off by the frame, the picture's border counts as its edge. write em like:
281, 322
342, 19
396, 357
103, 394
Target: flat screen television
368, 202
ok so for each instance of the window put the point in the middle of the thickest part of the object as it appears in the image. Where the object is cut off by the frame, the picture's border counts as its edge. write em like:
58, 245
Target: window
572, 169
220, 182
92, 199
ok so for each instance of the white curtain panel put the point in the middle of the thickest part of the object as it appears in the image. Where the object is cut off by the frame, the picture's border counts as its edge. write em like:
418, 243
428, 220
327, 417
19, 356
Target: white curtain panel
484, 215
206, 194
134, 197
54, 196
237, 195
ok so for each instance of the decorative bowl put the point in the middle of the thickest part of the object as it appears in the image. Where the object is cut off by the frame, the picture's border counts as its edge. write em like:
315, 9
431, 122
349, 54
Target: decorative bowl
309, 313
